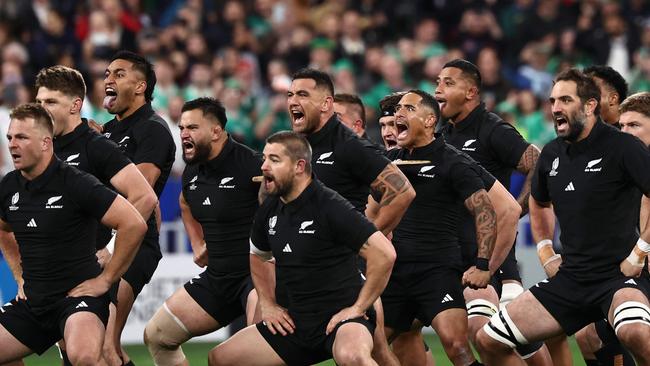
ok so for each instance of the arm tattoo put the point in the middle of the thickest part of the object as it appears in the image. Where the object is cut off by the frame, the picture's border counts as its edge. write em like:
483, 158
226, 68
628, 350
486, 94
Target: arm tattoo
486, 221
526, 166
390, 183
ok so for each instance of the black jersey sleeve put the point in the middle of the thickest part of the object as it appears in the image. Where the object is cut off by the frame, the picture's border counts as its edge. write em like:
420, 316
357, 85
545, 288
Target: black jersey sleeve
89, 193
363, 160
347, 225
261, 227
155, 146
106, 157
465, 177
538, 186
636, 163
507, 144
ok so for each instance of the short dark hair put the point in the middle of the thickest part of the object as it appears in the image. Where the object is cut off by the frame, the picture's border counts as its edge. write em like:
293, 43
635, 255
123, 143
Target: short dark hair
62, 78
295, 144
321, 78
354, 100
586, 88
639, 102
211, 108
611, 77
469, 70
388, 103
141, 65
42, 118
427, 100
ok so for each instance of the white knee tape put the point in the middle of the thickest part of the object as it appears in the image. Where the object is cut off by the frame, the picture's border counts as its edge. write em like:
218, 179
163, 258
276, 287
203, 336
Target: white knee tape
508, 293
164, 334
631, 312
503, 329
480, 307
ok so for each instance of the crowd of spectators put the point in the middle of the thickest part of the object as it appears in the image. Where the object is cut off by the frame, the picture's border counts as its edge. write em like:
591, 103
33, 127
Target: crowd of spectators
243, 52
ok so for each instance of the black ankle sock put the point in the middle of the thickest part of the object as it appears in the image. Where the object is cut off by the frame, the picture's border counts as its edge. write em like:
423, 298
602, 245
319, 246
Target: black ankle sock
64, 357
130, 363
592, 363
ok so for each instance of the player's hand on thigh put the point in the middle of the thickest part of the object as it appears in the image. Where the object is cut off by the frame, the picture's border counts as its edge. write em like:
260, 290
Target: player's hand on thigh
348, 313
631, 270
94, 287
277, 319
475, 278
551, 267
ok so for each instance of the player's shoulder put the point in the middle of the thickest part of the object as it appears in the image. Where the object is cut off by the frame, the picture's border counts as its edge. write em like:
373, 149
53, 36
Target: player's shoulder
189, 172
245, 153
326, 198
152, 126
9, 182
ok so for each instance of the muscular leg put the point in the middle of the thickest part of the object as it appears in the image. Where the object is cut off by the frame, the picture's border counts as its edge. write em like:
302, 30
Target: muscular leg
84, 337
409, 349
110, 352
588, 342
179, 319
11, 350
558, 346
381, 352
629, 312
524, 314
125, 300
353, 345
451, 327
246, 347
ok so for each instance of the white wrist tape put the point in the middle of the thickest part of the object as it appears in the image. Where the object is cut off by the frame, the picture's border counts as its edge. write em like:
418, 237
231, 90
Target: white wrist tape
551, 259
635, 260
111, 244
643, 245
543, 243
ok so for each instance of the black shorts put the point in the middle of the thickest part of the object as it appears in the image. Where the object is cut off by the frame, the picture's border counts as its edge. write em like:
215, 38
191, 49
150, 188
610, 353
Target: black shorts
309, 344
420, 291
224, 299
575, 304
40, 330
142, 268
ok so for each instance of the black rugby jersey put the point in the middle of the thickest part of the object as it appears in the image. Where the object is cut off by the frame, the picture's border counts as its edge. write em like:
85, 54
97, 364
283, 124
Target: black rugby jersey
315, 240
223, 199
344, 162
594, 186
92, 153
428, 231
144, 137
53, 218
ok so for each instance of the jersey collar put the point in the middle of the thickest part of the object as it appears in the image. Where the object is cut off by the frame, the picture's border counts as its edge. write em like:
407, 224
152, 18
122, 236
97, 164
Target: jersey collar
600, 127
471, 118
140, 114
319, 135
295, 205
219, 160
429, 149
41, 180
65, 140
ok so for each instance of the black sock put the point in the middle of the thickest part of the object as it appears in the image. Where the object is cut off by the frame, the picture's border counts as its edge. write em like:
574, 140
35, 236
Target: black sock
130, 363
592, 363
606, 355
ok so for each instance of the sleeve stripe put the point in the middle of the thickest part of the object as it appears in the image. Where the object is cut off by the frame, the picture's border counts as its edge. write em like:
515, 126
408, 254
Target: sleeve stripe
260, 253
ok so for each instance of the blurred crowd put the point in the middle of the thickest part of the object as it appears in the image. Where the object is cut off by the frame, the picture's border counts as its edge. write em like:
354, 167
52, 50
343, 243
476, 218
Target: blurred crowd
243, 52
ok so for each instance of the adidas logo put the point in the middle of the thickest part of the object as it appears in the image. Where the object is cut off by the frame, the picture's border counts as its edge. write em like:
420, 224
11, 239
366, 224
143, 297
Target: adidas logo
447, 298
31, 223
569, 187
467, 144
81, 305
631, 282
287, 249
207, 202
323, 156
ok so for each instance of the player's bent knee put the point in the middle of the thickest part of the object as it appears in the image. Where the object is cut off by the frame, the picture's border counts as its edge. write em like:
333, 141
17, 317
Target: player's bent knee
83, 357
480, 308
503, 330
163, 336
351, 355
628, 313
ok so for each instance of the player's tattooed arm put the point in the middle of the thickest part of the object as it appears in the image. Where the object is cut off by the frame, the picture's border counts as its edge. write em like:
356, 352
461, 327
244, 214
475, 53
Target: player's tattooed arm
396, 196
526, 166
485, 218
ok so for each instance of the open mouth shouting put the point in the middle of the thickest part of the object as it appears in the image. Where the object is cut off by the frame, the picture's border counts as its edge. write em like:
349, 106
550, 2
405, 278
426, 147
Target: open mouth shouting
111, 96
390, 142
561, 123
188, 148
442, 102
269, 184
402, 129
297, 117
